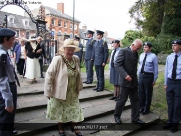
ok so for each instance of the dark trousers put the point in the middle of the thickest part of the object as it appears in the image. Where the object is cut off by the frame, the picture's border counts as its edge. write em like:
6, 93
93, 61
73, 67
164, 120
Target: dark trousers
145, 91
173, 93
100, 76
21, 66
89, 70
41, 66
6, 118
134, 98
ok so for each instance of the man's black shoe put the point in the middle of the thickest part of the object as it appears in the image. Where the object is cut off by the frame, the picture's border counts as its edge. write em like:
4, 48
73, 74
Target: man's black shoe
85, 82
117, 120
112, 98
88, 82
99, 90
15, 132
42, 77
141, 111
174, 129
167, 126
95, 89
145, 112
140, 122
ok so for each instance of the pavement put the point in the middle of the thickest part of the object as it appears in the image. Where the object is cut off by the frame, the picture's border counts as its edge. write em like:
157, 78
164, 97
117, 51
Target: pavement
37, 88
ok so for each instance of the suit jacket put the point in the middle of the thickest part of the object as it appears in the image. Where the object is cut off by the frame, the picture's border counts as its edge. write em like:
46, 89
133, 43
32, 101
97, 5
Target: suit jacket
89, 49
56, 78
126, 64
42, 53
100, 52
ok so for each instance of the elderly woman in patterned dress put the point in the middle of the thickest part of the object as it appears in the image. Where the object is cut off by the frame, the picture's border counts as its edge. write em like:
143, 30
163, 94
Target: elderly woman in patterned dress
62, 85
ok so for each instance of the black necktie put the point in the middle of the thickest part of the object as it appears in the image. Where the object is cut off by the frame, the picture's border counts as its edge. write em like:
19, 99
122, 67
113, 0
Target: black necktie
142, 68
98, 42
16, 77
174, 68
112, 59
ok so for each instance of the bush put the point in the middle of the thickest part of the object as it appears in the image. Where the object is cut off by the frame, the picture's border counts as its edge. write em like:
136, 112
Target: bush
162, 58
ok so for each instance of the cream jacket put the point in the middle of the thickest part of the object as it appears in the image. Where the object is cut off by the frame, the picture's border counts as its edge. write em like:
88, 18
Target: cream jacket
56, 78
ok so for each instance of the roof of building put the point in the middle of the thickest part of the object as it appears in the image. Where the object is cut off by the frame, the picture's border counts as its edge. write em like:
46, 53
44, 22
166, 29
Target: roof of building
18, 21
55, 12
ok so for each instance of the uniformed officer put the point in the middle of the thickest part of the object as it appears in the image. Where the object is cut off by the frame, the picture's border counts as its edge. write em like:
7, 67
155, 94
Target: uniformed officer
8, 89
79, 53
148, 73
88, 54
100, 56
172, 85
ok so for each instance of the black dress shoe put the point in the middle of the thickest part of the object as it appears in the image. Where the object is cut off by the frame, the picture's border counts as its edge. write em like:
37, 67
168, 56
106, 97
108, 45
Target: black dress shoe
42, 77
167, 126
140, 122
112, 98
141, 111
85, 82
117, 120
99, 90
145, 112
174, 129
15, 131
62, 133
88, 82
95, 89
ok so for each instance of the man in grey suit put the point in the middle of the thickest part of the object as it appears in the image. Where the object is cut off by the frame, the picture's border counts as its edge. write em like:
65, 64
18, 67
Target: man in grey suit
88, 54
126, 65
100, 56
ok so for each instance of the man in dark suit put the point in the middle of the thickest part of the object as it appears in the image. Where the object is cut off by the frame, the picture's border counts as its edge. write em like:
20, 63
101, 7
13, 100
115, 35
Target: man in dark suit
126, 65
39, 41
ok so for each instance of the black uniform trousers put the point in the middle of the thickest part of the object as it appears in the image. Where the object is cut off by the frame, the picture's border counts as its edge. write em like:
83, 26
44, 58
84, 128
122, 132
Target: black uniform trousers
6, 118
134, 98
100, 76
41, 66
89, 70
145, 91
173, 94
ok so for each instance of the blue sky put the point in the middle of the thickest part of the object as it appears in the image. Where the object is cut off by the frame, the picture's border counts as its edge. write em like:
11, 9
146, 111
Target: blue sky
106, 15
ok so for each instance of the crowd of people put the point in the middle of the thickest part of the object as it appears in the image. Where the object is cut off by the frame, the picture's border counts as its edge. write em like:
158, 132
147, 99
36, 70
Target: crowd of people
63, 81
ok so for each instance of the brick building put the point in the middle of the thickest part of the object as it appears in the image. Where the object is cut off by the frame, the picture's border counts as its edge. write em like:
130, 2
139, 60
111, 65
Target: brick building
58, 21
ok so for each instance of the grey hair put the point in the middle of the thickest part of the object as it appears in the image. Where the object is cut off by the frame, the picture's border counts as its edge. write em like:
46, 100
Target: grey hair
135, 42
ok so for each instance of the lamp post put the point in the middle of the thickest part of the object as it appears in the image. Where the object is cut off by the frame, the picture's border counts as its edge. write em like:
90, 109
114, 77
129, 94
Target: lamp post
73, 15
6, 21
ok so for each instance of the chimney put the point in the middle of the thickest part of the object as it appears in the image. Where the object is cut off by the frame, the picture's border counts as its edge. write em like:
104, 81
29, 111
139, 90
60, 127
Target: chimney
60, 7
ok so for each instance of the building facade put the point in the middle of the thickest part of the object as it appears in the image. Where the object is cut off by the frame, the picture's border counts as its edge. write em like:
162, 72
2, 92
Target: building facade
23, 26
58, 22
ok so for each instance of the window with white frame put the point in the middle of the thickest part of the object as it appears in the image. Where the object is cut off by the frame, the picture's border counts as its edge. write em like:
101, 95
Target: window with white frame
17, 33
11, 20
53, 22
26, 22
71, 25
27, 34
75, 27
65, 24
65, 33
59, 23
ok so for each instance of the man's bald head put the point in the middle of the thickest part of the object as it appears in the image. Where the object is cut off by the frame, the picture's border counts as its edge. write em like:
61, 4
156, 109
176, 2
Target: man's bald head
136, 45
